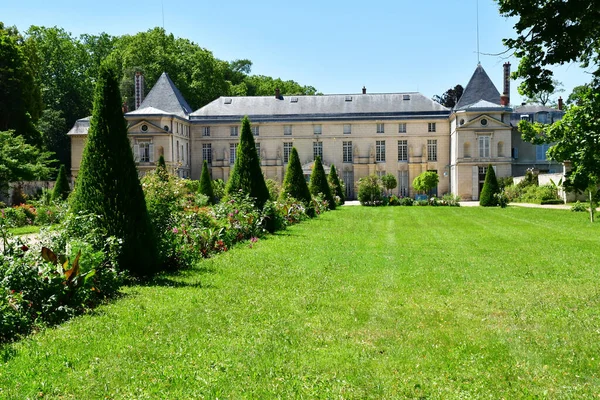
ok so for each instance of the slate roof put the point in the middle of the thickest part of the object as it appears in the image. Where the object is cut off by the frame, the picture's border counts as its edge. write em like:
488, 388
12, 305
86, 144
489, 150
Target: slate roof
164, 98
324, 107
480, 87
81, 127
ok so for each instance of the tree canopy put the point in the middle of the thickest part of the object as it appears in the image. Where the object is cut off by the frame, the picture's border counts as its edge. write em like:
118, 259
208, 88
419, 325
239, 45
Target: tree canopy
450, 96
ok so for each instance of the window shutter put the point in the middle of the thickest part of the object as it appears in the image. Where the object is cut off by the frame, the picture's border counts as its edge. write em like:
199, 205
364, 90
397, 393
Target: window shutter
136, 152
151, 151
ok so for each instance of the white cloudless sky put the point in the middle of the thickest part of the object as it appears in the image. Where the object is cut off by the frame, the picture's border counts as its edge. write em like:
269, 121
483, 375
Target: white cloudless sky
336, 46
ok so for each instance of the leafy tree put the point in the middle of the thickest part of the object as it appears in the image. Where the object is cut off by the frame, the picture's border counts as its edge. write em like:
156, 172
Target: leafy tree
544, 97
319, 185
294, 185
576, 95
61, 188
426, 181
490, 188
450, 96
336, 186
247, 175
108, 184
20, 98
389, 182
260, 85
369, 190
53, 128
206, 184
21, 161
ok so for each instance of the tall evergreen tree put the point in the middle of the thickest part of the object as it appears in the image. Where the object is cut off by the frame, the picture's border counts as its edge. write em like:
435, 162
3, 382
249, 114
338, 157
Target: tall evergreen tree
490, 188
294, 185
319, 184
334, 181
61, 188
206, 184
108, 183
161, 169
247, 175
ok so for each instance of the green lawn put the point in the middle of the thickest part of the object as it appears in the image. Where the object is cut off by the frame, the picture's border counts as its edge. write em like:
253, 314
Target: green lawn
396, 302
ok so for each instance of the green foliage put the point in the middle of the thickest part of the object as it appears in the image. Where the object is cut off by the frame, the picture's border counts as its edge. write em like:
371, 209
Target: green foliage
108, 184
451, 200
21, 161
247, 175
505, 182
426, 181
206, 187
218, 186
450, 96
389, 182
319, 185
274, 189
337, 188
501, 199
369, 191
490, 189
294, 185
578, 207
61, 188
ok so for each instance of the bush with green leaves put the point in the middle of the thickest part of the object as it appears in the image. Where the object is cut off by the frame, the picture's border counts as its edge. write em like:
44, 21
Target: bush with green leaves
294, 184
490, 189
389, 182
451, 200
578, 207
318, 184
274, 189
61, 188
369, 191
108, 183
247, 175
426, 181
501, 199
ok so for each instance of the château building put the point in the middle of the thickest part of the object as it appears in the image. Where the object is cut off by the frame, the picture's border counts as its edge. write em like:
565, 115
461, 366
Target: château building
361, 134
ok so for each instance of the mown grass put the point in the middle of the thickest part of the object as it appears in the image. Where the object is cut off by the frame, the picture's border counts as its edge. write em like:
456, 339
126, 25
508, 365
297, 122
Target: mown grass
404, 302
24, 230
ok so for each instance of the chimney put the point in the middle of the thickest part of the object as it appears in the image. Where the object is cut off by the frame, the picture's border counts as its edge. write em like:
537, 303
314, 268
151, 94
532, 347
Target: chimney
277, 93
364, 90
560, 103
139, 89
505, 98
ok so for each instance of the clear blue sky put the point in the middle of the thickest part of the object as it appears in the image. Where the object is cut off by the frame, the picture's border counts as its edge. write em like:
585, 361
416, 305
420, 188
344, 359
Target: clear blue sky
335, 46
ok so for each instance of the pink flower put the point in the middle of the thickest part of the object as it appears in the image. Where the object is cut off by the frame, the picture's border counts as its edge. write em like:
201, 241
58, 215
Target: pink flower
175, 230
253, 239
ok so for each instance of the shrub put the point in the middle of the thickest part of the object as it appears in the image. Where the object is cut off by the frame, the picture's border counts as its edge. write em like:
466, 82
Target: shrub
501, 199
108, 184
294, 184
394, 200
389, 182
490, 189
274, 189
426, 181
451, 200
61, 188
369, 191
406, 201
578, 207
337, 188
319, 185
247, 174
206, 187
505, 182
218, 186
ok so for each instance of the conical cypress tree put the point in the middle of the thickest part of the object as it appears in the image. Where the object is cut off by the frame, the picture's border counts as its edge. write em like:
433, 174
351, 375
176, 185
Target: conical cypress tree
490, 188
206, 184
108, 183
247, 175
61, 188
334, 181
294, 184
161, 169
319, 184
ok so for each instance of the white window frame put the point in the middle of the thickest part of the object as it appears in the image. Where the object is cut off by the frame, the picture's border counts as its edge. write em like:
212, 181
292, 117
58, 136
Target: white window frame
207, 152
380, 127
144, 151
287, 150
403, 150
347, 129
318, 129
380, 151
431, 127
347, 152
484, 146
206, 131
287, 130
431, 149
255, 130
234, 130
317, 150
232, 152
402, 127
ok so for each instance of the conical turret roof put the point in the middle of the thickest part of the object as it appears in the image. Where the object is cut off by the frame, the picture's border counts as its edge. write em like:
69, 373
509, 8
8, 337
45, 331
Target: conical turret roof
480, 88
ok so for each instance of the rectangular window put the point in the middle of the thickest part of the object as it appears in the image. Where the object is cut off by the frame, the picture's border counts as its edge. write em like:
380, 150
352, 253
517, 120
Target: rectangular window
380, 151
318, 150
403, 183
347, 152
287, 130
484, 146
432, 150
187, 151
287, 150
232, 152
402, 127
234, 130
380, 128
347, 129
257, 145
206, 131
144, 151
540, 151
431, 127
207, 152
402, 150
317, 129
255, 130
177, 148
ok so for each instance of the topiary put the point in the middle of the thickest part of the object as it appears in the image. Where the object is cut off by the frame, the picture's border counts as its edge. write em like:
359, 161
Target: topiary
487, 197
206, 184
247, 175
319, 184
294, 185
369, 191
61, 187
336, 187
161, 169
108, 183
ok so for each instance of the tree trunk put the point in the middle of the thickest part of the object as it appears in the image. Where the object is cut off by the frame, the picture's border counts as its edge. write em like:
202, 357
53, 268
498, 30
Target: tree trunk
592, 208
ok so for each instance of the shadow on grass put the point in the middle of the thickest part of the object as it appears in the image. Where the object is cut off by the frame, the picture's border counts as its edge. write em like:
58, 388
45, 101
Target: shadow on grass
7, 352
168, 281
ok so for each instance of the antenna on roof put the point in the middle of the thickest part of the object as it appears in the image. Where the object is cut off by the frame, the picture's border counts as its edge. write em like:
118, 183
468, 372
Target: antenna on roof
162, 5
477, 6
